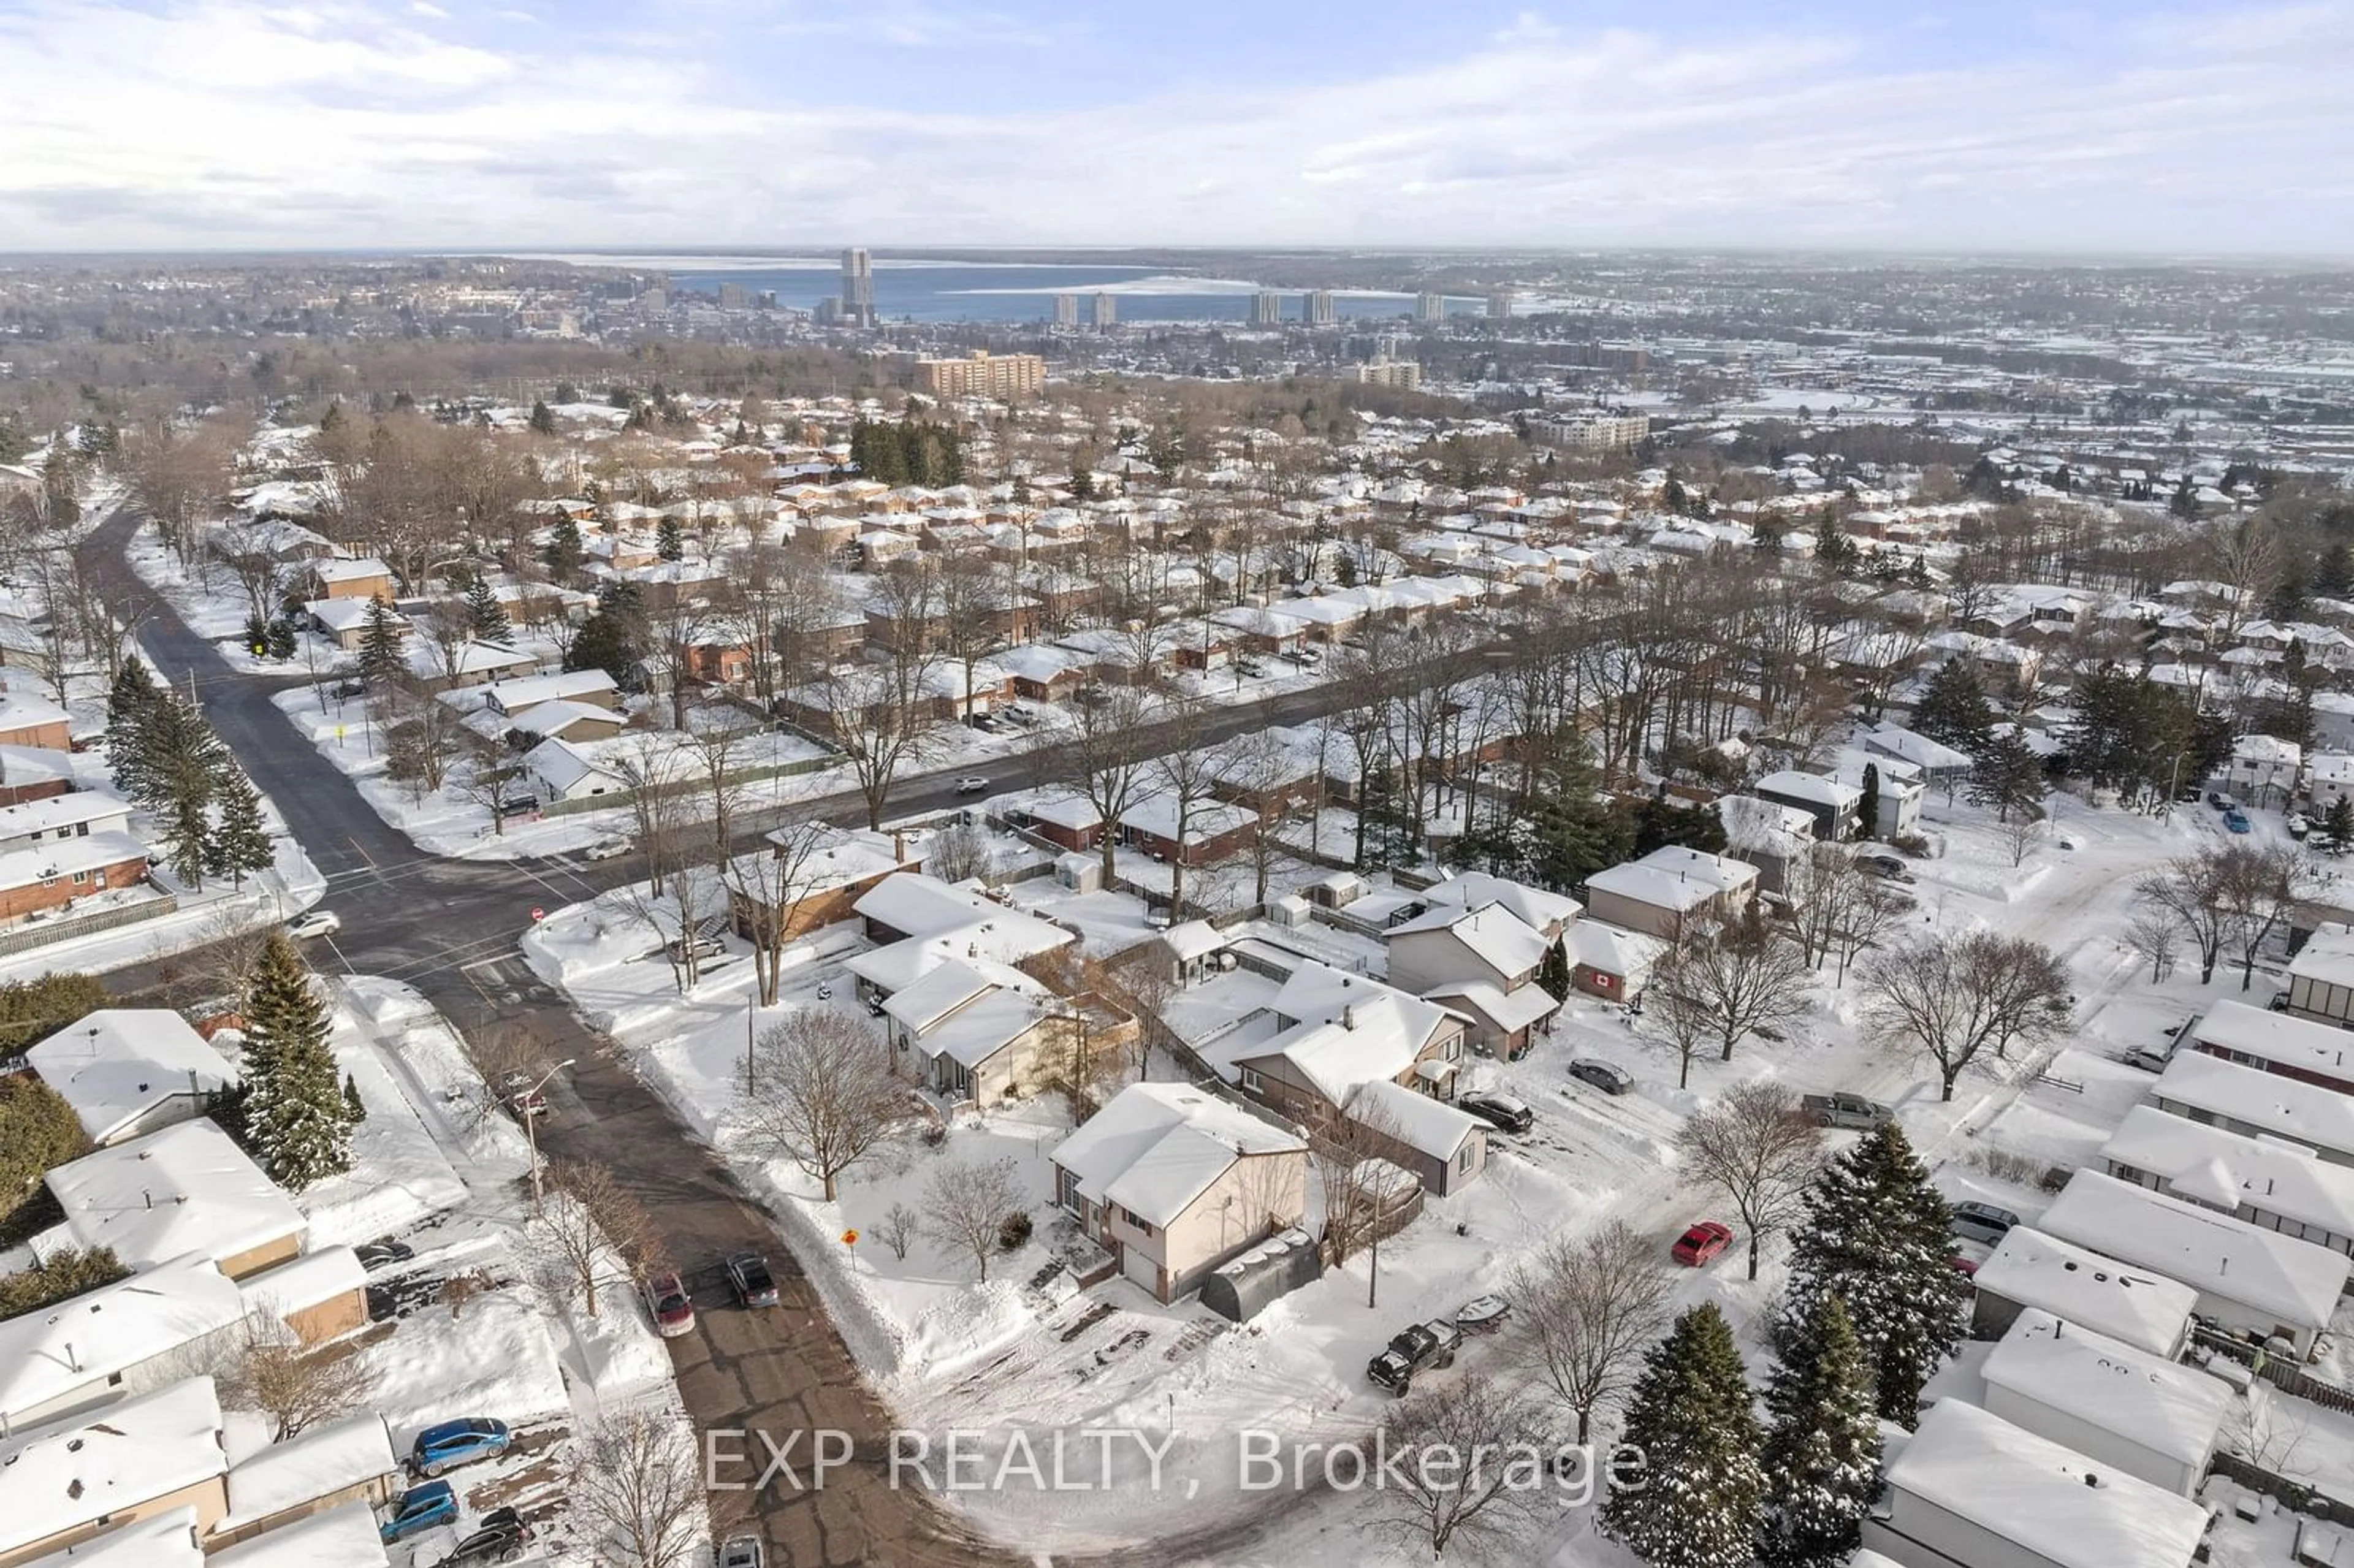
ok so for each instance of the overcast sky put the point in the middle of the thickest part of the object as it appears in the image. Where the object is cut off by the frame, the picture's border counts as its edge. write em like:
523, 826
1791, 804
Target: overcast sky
1991, 125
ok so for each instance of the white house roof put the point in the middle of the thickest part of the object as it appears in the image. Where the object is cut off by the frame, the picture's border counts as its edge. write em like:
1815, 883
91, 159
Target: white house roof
2296, 1282
1509, 1011
1810, 787
2139, 1306
310, 1464
554, 718
1429, 1125
1155, 1148
1497, 938
71, 1473
2327, 958
2058, 1506
1673, 878
117, 1064
564, 765
187, 1189
344, 1536
1755, 824
1907, 746
53, 813
2277, 1105
529, 691
946, 986
2214, 1164
341, 615
303, 1282
53, 858
166, 1541
22, 713
1532, 906
337, 569
1612, 950
985, 1024
50, 1354
1190, 939
2145, 1398
2269, 1036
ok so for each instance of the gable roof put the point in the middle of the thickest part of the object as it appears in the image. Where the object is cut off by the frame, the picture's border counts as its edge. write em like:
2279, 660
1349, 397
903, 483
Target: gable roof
1490, 932
74, 1472
53, 858
2143, 1397
2138, 1306
114, 1066
2297, 1281
1673, 877
2230, 1169
187, 1189
1155, 1148
1427, 1126
167, 1540
47, 1354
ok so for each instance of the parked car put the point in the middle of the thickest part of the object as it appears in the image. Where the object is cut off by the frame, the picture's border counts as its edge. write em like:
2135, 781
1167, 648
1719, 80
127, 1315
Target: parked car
612, 848
1506, 1113
2219, 800
2297, 825
1963, 1265
2148, 1058
450, 1444
1250, 666
971, 784
315, 923
380, 1254
1025, 718
755, 1285
502, 1536
2236, 821
1425, 1347
518, 805
1702, 1245
403, 1298
1982, 1223
1608, 1076
701, 947
743, 1552
1886, 865
1846, 1110
419, 1508
672, 1308
349, 689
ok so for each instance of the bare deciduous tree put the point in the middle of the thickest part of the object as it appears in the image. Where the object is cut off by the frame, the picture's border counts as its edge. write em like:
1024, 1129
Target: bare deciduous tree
1718, 983
1588, 1309
1364, 1187
636, 1484
957, 853
1108, 755
1957, 997
2154, 936
593, 1232
2258, 890
296, 1386
969, 1201
1474, 1473
2188, 890
899, 1230
1755, 1146
821, 1094
765, 890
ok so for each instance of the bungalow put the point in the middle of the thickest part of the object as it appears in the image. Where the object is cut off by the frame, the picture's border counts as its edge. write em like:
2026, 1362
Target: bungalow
323, 1467
166, 1540
187, 1189
347, 577
1657, 893
557, 770
2150, 1417
1442, 1147
2030, 1271
153, 1454
345, 621
978, 1029
1969, 1487
29, 721
1262, 631
345, 1535
1482, 962
318, 1296
52, 874
466, 664
779, 895
2279, 1186
1610, 961
1042, 673
2269, 1287
2309, 1040
1547, 914
1933, 762
1214, 830
136, 1334
1063, 817
128, 1071
594, 688
919, 923
1173, 1181
67, 816
1834, 806
563, 719
2256, 1104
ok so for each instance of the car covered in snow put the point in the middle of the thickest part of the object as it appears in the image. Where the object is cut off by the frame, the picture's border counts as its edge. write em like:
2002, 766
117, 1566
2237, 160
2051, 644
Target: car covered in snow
449, 1444
1702, 1245
671, 1307
1846, 1110
1608, 1076
1506, 1113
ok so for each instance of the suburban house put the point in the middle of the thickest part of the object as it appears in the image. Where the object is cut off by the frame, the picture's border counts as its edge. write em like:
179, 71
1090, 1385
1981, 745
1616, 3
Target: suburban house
344, 621
832, 873
2151, 1417
1042, 673
1657, 893
2321, 988
152, 1454
576, 723
345, 1535
466, 664
2299, 1048
2267, 1181
1834, 808
1547, 914
1173, 1181
1610, 961
1770, 835
35, 773
136, 1334
2250, 1281
31, 721
2030, 1271
1969, 1489
976, 1029
1214, 830
593, 688
53, 873
2256, 1104
324, 1467
316, 1296
557, 770
166, 1540
78, 815
128, 1071
1441, 1147
346, 577
187, 1189
920, 921
1902, 788
1483, 963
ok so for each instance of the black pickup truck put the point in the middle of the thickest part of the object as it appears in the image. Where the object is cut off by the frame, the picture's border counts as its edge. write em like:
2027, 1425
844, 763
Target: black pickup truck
1430, 1345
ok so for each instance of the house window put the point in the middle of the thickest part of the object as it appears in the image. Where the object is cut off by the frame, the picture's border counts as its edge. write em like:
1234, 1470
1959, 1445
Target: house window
81, 877
1250, 1081
1463, 1157
82, 831
1136, 1222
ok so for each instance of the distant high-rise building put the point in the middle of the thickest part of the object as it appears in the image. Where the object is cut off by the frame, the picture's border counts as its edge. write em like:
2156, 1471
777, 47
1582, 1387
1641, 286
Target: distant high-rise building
1590, 431
1402, 373
1499, 305
1267, 307
857, 287
1107, 310
1066, 310
1431, 307
734, 297
983, 374
1319, 308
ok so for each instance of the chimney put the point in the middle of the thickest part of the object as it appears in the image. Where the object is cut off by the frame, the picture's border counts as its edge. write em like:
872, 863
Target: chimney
2091, 1480
1349, 1016
149, 1196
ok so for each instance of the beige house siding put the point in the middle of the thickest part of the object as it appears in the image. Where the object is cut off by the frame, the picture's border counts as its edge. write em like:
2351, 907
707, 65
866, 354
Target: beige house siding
209, 1497
255, 1259
325, 1319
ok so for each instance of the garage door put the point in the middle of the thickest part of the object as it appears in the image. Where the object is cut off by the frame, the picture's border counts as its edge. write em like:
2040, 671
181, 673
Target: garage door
1144, 1270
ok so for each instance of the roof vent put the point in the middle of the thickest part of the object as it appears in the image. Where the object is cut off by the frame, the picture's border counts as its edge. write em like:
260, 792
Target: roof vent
2091, 1480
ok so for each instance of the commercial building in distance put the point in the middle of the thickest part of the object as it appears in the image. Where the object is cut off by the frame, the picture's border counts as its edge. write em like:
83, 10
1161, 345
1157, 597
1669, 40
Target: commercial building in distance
1320, 309
1590, 432
1500, 307
1267, 307
857, 287
1402, 373
1107, 310
1066, 310
982, 375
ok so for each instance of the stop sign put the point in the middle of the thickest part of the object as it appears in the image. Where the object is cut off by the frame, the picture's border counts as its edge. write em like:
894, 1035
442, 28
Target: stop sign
538, 913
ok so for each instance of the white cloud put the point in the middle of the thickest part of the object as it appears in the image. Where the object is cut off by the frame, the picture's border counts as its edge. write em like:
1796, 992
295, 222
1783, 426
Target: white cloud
214, 122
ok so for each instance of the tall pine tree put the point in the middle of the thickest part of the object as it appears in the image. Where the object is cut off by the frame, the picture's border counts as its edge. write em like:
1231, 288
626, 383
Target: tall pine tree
174, 770
1867, 810
1953, 710
564, 552
2006, 776
1877, 1235
130, 702
296, 1121
380, 660
486, 617
670, 540
240, 840
1822, 1448
542, 418
1690, 1415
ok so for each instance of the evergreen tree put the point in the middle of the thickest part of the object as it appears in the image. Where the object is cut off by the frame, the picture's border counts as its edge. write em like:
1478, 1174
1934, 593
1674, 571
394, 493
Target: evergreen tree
1690, 1415
257, 635
240, 843
352, 1101
1867, 810
1553, 972
2333, 578
670, 540
1834, 552
1877, 1235
563, 553
2339, 822
296, 1122
173, 769
380, 660
2006, 776
279, 638
1822, 1448
1083, 485
2186, 499
542, 418
486, 617
1953, 710
130, 704
607, 642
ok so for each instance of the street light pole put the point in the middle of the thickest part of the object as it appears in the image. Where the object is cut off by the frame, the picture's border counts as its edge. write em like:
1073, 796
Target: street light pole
531, 1127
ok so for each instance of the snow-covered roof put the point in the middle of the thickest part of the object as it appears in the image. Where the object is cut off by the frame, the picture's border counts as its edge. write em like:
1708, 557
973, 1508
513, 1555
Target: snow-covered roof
341, 570
304, 1281
341, 615
1907, 746
67, 1474
47, 1354
1809, 787
554, 719
1755, 824
2300, 1044
1497, 938
2273, 1103
528, 692
2139, 1306
2216, 1165
2296, 1282
344, 1536
1190, 939
1155, 1148
1674, 878
114, 1066
1509, 1011
20, 711
53, 858
1427, 1126
564, 765
307, 1466
1534, 906
1612, 950
946, 986
2327, 958
167, 1540
53, 813
2059, 1507
187, 1189
2147, 1399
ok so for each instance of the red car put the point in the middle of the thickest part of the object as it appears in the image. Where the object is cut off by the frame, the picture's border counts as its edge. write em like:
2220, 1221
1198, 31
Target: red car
672, 1308
1699, 1246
